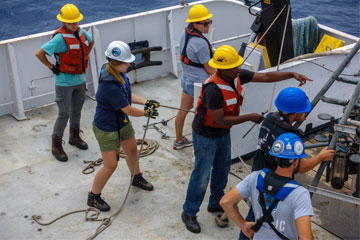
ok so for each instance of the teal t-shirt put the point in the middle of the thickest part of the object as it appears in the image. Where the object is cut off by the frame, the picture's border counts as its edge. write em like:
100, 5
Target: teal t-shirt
58, 45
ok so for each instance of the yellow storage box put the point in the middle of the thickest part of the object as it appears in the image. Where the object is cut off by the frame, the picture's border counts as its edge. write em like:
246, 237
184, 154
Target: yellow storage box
328, 43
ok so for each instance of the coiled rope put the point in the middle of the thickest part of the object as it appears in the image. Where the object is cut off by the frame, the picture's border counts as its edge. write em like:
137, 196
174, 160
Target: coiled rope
149, 146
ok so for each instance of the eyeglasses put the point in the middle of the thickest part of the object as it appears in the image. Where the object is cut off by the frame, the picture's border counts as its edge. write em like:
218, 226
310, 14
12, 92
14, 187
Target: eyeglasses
206, 24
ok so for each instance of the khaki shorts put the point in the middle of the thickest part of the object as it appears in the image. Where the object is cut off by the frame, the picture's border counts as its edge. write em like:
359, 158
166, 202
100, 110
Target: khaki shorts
109, 141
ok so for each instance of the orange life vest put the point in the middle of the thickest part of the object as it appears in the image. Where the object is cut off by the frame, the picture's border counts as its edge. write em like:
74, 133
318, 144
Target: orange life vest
232, 100
189, 34
75, 60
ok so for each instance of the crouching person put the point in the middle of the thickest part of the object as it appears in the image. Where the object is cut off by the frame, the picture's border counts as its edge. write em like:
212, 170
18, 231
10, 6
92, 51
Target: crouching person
112, 126
282, 207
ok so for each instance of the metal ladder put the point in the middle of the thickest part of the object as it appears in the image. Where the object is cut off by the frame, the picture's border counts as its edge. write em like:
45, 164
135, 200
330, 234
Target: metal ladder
339, 127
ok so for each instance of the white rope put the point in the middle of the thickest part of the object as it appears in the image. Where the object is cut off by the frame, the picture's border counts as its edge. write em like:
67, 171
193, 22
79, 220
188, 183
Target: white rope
281, 49
261, 38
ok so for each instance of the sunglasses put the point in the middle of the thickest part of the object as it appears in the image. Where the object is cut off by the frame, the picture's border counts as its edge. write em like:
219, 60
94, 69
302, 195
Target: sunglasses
205, 23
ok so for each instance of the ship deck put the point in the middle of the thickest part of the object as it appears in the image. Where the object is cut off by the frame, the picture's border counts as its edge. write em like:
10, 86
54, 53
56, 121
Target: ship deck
33, 182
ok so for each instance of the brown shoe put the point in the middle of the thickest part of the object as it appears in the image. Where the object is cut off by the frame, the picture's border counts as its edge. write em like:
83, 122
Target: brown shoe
94, 200
141, 182
57, 149
75, 139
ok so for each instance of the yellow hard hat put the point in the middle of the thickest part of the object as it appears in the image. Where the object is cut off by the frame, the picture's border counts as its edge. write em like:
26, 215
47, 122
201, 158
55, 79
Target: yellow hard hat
69, 13
198, 13
226, 57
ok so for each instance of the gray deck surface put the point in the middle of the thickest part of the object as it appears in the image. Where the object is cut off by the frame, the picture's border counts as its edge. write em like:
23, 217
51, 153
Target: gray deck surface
32, 181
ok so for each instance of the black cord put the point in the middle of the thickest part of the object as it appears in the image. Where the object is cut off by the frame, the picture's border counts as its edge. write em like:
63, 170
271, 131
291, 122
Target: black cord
233, 174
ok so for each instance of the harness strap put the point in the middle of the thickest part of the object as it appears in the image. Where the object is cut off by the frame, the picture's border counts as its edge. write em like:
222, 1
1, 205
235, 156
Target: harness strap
267, 217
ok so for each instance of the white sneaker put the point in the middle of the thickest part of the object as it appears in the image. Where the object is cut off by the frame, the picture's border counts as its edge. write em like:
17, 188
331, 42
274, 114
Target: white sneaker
182, 144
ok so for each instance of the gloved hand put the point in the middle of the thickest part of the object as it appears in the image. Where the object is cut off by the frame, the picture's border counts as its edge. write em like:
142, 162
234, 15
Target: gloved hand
151, 104
55, 69
153, 113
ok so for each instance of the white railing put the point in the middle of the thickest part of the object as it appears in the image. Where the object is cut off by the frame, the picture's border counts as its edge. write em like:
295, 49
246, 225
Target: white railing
26, 83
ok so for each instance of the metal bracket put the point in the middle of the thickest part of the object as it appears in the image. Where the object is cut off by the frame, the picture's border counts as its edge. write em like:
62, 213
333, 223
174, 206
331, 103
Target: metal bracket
344, 129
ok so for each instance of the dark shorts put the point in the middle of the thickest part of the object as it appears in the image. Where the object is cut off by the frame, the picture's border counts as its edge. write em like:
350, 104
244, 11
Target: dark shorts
109, 141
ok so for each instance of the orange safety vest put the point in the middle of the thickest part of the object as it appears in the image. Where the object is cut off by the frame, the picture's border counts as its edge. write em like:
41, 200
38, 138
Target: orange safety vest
75, 60
232, 100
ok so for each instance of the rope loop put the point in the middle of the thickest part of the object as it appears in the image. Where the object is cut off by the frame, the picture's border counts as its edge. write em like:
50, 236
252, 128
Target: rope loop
94, 214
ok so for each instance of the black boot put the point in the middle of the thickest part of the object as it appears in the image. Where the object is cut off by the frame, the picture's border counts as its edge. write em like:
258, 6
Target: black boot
57, 149
75, 139
141, 182
94, 200
191, 223
215, 209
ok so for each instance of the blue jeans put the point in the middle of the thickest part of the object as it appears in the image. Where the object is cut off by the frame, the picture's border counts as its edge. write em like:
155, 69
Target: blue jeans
187, 86
209, 153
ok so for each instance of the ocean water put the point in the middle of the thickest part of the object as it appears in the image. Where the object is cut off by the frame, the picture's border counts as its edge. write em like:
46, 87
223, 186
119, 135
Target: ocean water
24, 17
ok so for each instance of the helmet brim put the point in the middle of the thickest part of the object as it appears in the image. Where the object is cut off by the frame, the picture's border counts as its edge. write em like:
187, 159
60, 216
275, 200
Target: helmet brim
288, 156
219, 66
128, 60
199, 19
61, 19
308, 106
306, 109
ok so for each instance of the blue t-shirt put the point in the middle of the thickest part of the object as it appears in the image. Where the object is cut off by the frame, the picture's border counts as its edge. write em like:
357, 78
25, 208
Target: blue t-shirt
58, 45
197, 51
296, 204
111, 97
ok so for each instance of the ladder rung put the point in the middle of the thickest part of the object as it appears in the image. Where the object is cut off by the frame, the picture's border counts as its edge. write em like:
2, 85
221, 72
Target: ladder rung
345, 80
353, 122
337, 101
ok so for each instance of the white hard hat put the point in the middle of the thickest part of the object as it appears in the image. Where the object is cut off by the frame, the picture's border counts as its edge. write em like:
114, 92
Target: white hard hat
119, 51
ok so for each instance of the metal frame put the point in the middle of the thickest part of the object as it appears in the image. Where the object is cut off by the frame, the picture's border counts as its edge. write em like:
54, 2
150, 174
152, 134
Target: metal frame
346, 114
334, 195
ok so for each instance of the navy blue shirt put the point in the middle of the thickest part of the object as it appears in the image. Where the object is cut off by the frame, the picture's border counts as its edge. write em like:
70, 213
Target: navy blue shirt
111, 97
272, 127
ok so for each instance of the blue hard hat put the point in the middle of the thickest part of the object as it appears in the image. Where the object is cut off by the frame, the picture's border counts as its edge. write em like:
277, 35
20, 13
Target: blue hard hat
293, 100
289, 146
